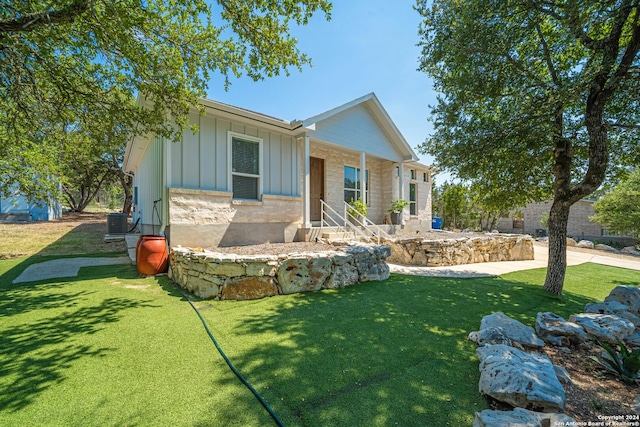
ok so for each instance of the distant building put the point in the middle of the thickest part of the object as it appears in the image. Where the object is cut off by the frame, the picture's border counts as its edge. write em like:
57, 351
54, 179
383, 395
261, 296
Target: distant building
580, 227
17, 208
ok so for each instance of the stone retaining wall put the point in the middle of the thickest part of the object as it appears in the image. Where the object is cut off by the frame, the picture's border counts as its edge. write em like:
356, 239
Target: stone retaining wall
212, 275
436, 253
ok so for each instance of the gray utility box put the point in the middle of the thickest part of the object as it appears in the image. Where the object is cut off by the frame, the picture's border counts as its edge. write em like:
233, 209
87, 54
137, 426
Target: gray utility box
117, 223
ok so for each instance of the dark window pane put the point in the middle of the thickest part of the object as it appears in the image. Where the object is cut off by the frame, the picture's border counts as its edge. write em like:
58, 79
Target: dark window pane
246, 156
245, 187
412, 192
350, 177
350, 195
412, 209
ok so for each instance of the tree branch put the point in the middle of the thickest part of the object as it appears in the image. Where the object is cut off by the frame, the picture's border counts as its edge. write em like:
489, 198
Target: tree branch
31, 21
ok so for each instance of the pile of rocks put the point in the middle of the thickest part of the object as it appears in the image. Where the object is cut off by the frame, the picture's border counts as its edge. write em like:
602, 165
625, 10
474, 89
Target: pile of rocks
512, 371
214, 275
588, 244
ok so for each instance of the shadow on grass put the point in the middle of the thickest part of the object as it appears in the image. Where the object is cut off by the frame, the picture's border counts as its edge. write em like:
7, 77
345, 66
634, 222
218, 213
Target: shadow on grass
45, 320
377, 353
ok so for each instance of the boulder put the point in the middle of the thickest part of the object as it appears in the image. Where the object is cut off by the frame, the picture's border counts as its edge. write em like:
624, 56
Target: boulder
519, 378
520, 417
630, 250
571, 242
512, 329
633, 340
613, 307
606, 248
490, 336
604, 327
557, 331
585, 244
627, 295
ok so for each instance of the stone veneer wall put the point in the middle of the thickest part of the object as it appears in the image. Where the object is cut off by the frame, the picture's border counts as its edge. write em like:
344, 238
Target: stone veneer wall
437, 253
222, 276
208, 218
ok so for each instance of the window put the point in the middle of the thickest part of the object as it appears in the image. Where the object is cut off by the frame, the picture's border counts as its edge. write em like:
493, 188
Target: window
424, 176
412, 173
352, 184
413, 210
245, 164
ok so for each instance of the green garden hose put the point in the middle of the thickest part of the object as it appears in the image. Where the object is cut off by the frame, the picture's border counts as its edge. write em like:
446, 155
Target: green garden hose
233, 368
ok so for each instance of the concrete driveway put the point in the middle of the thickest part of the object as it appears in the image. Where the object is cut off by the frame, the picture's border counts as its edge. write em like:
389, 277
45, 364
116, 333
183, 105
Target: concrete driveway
489, 269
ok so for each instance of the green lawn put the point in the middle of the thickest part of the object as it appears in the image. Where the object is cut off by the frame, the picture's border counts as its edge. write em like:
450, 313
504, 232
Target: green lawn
109, 348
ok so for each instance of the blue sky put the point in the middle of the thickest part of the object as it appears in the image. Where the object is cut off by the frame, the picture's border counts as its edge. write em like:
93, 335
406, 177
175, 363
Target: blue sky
368, 46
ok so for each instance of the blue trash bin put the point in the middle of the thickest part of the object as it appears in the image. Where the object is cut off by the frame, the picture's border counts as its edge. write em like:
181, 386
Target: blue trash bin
436, 223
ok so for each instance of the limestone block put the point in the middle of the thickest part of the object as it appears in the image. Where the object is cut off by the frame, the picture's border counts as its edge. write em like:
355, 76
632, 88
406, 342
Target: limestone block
522, 250
228, 269
557, 331
343, 275
627, 295
520, 417
268, 268
571, 242
585, 244
341, 258
604, 327
208, 292
518, 378
319, 270
246, 288
514, 330
293, 276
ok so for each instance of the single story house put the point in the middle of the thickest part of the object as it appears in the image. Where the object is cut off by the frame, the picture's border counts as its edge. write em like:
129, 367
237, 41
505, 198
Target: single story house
16, 208
248, 178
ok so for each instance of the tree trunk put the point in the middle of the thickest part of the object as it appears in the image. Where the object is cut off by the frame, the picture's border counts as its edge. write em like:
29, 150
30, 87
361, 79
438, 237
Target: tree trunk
557, 265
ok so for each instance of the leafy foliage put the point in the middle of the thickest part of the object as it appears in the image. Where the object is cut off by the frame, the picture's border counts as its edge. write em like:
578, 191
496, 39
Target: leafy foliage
358, 207
625, 364
397, 206
619, 209
68, 64
538, 100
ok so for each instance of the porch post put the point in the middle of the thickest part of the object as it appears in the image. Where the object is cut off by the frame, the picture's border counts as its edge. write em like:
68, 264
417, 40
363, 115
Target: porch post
306, 215
401, 182
363, 176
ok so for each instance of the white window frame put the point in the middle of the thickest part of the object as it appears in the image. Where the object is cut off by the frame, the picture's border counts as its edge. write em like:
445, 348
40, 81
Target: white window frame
230, 174
366, 184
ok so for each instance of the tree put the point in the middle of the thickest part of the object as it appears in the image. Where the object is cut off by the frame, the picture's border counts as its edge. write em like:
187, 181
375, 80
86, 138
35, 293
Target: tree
62, 61
619, 210
538, 99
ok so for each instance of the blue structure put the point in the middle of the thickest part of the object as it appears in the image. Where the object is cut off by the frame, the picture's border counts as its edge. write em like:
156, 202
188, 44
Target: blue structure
18, 208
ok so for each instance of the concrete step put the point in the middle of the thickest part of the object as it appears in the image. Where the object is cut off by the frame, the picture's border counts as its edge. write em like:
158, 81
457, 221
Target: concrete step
339, 235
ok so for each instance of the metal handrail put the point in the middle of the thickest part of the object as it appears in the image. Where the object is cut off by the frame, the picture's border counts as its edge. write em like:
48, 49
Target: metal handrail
326, 212
374, 230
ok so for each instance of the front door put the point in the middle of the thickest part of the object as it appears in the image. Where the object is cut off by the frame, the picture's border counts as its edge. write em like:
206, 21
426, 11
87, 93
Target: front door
316, 181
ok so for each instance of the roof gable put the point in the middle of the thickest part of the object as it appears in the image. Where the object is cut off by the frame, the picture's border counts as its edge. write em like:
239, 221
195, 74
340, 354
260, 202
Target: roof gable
362, 125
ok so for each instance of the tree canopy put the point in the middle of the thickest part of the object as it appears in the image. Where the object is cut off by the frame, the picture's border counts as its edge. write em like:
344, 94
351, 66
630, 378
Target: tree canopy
65, 62
538, 99
619, 209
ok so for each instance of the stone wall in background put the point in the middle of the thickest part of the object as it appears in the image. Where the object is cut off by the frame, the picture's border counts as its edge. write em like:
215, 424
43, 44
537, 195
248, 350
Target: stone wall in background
436, 253
212, 275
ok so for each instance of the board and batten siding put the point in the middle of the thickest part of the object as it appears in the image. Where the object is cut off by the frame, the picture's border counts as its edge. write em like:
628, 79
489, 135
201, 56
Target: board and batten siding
200, 160
357, 129
149, 182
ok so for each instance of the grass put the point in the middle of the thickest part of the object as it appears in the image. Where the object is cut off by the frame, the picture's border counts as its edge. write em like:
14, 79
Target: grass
110, 348
74, 233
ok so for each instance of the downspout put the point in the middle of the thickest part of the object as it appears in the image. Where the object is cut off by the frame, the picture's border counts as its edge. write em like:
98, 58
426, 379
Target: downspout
166, 177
